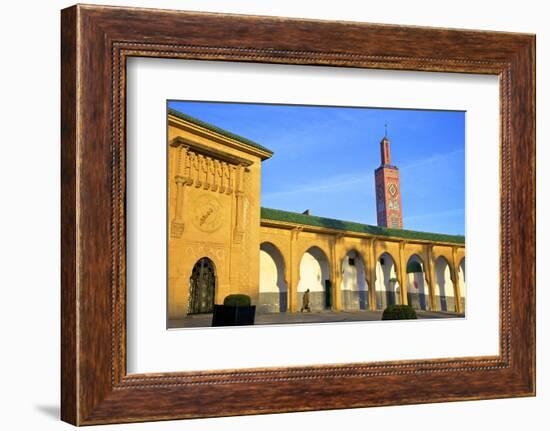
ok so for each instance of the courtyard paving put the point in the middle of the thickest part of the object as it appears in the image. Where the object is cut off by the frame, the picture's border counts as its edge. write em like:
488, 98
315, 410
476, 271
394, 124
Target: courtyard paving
205, 320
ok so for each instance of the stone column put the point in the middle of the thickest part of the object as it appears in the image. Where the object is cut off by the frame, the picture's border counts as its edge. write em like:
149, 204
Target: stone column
177, 226
293, 300
336, 272
288, 279
401, 271
456, 285
456, 290
335, 284
430, 278
371, 280
371, 274
239, 197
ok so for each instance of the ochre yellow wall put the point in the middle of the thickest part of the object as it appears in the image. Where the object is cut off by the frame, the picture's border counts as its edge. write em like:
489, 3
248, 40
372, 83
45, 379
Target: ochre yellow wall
235, 254
293, 241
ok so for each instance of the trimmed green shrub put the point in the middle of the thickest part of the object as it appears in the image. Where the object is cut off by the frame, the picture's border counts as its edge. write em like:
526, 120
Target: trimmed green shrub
237, 300
398, 312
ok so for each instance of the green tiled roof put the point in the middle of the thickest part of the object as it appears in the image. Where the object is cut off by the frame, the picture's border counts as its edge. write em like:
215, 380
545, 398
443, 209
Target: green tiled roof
309, 220
217, 130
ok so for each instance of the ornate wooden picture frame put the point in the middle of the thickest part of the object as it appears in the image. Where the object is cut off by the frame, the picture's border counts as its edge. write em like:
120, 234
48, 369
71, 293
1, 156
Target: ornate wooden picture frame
96, 42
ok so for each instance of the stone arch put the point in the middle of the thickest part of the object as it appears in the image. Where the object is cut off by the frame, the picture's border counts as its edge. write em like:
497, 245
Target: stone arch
315, 275
321, 247
273, 290
444, 292
462, 282
387, 286
417, 285
194, 252
353, 286
202, 287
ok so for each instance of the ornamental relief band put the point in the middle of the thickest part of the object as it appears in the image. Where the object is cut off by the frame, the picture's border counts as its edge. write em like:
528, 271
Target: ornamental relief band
207, 173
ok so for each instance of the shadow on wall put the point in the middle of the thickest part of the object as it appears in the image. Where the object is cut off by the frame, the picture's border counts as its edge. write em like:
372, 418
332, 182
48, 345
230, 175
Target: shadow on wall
283, 301
353, 286
363, 299
273, 288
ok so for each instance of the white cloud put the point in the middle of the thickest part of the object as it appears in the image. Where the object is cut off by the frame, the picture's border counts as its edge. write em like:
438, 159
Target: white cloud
338, 183
436, 214
437, 158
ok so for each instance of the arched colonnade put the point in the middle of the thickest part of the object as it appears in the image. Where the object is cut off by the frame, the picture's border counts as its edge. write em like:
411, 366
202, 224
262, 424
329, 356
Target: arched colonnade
358, 273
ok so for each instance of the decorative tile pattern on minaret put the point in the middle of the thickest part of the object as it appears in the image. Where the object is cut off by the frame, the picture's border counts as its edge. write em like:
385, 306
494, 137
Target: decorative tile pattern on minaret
388, 190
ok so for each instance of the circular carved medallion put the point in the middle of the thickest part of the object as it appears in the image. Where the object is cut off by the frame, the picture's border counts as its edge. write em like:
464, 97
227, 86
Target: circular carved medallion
207, 214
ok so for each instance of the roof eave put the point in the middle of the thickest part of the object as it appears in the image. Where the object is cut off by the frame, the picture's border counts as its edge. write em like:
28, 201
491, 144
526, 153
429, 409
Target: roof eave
231, 141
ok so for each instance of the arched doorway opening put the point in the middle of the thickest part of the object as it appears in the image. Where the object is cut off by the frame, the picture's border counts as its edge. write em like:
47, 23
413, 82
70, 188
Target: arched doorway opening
417, 291
462, 282
273, 296
387, 286
202, 287
354, 284
444, 291
315, 276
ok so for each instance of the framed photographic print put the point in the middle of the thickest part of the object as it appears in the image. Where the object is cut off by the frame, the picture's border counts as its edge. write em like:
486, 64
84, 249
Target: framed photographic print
286, 207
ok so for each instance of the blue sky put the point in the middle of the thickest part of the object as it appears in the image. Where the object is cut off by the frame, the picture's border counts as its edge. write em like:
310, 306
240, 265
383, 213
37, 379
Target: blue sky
324, 158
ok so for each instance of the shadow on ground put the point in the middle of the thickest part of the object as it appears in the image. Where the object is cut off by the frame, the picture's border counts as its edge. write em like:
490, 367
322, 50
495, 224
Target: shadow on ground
205, 320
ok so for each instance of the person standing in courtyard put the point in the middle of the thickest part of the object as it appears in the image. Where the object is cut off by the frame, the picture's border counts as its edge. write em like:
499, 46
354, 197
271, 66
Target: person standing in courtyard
305, 302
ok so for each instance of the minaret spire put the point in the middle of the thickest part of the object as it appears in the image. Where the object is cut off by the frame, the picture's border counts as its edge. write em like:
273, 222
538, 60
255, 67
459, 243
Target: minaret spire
388, 188
385, 158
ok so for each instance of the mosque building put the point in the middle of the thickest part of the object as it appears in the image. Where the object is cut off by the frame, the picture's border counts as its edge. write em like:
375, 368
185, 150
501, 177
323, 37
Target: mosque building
221, 241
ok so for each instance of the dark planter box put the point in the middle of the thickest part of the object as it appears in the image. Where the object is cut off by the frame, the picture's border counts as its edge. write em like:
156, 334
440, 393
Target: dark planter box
226, 315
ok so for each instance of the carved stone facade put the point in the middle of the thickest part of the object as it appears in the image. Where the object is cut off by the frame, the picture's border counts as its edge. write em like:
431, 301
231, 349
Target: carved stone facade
212, 212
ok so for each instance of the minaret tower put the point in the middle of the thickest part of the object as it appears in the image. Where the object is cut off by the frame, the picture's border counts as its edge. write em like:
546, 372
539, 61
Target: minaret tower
388, 189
